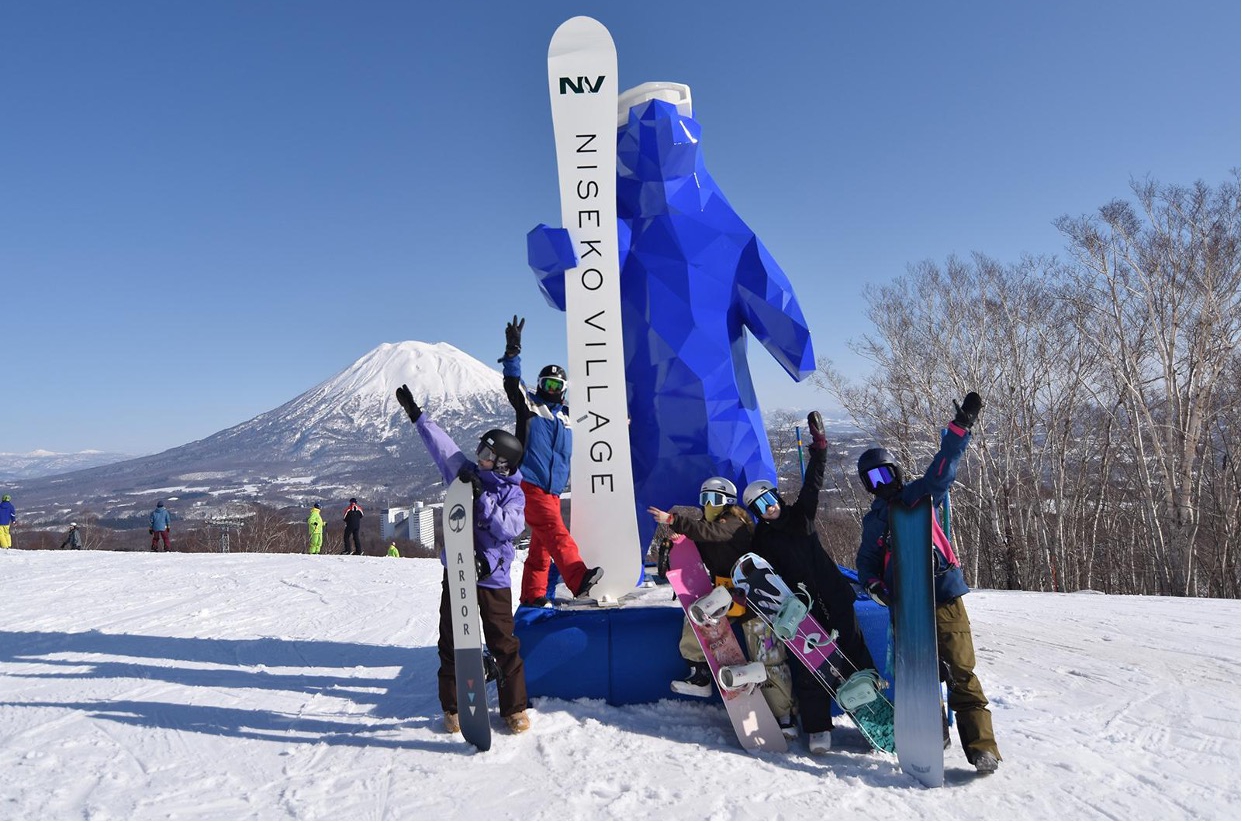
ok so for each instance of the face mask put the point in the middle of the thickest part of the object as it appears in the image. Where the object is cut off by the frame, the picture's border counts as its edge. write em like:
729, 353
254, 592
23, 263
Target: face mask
711, 513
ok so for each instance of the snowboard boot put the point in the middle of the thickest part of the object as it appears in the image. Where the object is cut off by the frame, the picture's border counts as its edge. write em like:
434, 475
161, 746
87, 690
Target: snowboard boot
789, 728
451, 724
985, 763
820, 743
537, 602
697, 683
518, 722
592, 576
492, 670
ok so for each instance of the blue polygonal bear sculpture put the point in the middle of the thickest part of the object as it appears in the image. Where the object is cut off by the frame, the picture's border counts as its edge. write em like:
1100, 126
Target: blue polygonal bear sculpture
693, 276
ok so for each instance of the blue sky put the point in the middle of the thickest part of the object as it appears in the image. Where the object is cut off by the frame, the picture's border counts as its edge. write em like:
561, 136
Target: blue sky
208, 208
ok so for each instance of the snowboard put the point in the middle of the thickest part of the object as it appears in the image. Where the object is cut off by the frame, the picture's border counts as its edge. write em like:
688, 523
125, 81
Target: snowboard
582, 84
858, 692
458, 524
752, 719
916, 666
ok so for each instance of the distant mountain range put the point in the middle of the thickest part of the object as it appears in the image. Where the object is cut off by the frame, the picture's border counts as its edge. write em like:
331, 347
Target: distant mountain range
346, 437
46, 463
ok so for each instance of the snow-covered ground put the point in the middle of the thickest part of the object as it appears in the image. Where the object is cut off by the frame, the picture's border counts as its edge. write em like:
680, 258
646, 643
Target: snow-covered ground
148, 686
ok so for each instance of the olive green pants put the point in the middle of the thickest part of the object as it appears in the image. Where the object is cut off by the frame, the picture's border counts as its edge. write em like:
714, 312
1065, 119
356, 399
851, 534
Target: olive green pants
957, 662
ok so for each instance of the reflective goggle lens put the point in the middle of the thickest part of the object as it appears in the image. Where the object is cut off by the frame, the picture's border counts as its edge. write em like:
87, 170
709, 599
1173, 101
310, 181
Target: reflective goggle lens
763, 502
486, 453
714, 498
552, 385
881, 475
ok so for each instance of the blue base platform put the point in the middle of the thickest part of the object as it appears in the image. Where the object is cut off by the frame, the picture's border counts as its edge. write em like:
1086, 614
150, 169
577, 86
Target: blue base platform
628, 655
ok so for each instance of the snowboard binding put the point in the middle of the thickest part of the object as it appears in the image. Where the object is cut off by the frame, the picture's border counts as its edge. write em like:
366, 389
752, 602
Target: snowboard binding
733, 677
791, 613
710, 609
860, 689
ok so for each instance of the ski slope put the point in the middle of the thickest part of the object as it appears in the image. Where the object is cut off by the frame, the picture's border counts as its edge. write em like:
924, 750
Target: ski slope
252, 686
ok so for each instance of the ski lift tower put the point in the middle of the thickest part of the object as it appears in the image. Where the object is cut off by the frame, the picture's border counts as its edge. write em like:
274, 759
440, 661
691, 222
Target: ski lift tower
226, 527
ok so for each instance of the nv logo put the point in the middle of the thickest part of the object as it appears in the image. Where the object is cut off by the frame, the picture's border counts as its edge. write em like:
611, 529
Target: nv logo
583, 84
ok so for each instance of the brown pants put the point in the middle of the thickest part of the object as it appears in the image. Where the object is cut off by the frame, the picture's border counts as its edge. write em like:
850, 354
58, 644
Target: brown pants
496, 612
957, 662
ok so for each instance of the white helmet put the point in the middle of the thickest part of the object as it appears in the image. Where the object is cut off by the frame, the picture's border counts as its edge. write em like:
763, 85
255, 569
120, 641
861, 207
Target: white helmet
717, 491
755, 491
73, 525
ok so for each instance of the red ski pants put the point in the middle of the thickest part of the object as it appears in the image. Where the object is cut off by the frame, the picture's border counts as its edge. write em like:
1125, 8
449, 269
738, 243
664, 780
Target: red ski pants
549, 542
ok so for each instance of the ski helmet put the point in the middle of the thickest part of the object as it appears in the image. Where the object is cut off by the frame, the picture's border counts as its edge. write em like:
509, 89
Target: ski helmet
878, 469
763, 493
501, 446
717, 491
552, 384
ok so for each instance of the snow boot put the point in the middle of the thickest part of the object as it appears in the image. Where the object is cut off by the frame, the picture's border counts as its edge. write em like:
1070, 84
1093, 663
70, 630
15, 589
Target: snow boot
789, 728
819, 743
985, 763
518, 722
592, 576
697, 683
451, 724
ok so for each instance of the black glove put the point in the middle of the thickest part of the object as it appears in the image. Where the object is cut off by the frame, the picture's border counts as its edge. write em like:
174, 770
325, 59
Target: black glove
663, 551
815, 424
876, 590
513, 338
407, 402
968, 411
481, 568
467, 474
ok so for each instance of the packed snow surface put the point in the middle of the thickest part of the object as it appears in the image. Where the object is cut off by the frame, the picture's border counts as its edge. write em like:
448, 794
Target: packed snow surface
252, 686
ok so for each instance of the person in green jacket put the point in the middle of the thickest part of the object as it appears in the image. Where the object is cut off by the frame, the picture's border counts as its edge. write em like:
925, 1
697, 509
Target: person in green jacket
314, 525
392, 550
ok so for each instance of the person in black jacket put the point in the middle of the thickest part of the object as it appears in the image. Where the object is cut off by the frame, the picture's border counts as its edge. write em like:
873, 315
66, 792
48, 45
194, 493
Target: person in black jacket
353, 526
73, 539
786, 537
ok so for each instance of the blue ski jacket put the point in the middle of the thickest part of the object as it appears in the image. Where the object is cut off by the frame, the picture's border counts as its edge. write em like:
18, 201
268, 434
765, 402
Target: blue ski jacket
160, 519
499, 512
874, 551
544, 430
8, 514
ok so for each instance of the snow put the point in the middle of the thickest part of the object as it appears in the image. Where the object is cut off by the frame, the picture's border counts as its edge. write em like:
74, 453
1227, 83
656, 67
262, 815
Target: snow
253, 686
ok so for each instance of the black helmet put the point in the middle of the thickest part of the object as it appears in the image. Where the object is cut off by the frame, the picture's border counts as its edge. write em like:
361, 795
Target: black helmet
504, 448
552, 384
878, 470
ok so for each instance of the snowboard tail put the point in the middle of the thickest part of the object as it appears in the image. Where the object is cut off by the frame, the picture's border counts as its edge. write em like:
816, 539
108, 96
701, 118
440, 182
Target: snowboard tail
857, 692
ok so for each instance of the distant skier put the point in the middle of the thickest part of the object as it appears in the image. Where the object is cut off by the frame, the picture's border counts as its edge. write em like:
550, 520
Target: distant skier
543, 428
353, 527
314, 528
882, 476
8, 518
787, 538
392, 550
161, 526
73, 539
499, 517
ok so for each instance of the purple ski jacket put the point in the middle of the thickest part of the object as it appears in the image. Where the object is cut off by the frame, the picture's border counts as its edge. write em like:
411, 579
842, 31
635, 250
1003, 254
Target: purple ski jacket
499, 512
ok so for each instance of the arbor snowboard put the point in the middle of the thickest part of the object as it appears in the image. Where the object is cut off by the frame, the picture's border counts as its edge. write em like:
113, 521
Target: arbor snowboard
458, 524
752, 719
916, 665
857, 692
582, 83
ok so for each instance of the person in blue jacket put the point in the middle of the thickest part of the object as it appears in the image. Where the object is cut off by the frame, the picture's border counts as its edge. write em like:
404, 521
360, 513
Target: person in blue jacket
8, 518
882, 476
160, 526
499, 516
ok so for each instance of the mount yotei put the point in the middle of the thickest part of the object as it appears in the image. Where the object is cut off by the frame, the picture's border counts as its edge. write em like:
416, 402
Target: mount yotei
346, 437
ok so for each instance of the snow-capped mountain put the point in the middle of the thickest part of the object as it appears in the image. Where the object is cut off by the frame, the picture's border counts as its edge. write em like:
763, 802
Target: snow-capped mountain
46, 463
346, 437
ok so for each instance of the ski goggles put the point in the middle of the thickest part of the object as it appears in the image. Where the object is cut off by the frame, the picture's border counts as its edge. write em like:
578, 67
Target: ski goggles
763, 502
880, 475
715, 498
499, 464
551, 385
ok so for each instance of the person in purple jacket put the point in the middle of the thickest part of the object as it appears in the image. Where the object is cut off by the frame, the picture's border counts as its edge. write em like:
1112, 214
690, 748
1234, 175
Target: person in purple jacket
499, 517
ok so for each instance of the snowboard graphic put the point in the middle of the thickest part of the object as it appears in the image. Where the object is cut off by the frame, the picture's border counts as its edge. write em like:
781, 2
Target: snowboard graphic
916, 665
458, 524
752, 719
858, 693
582, 82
